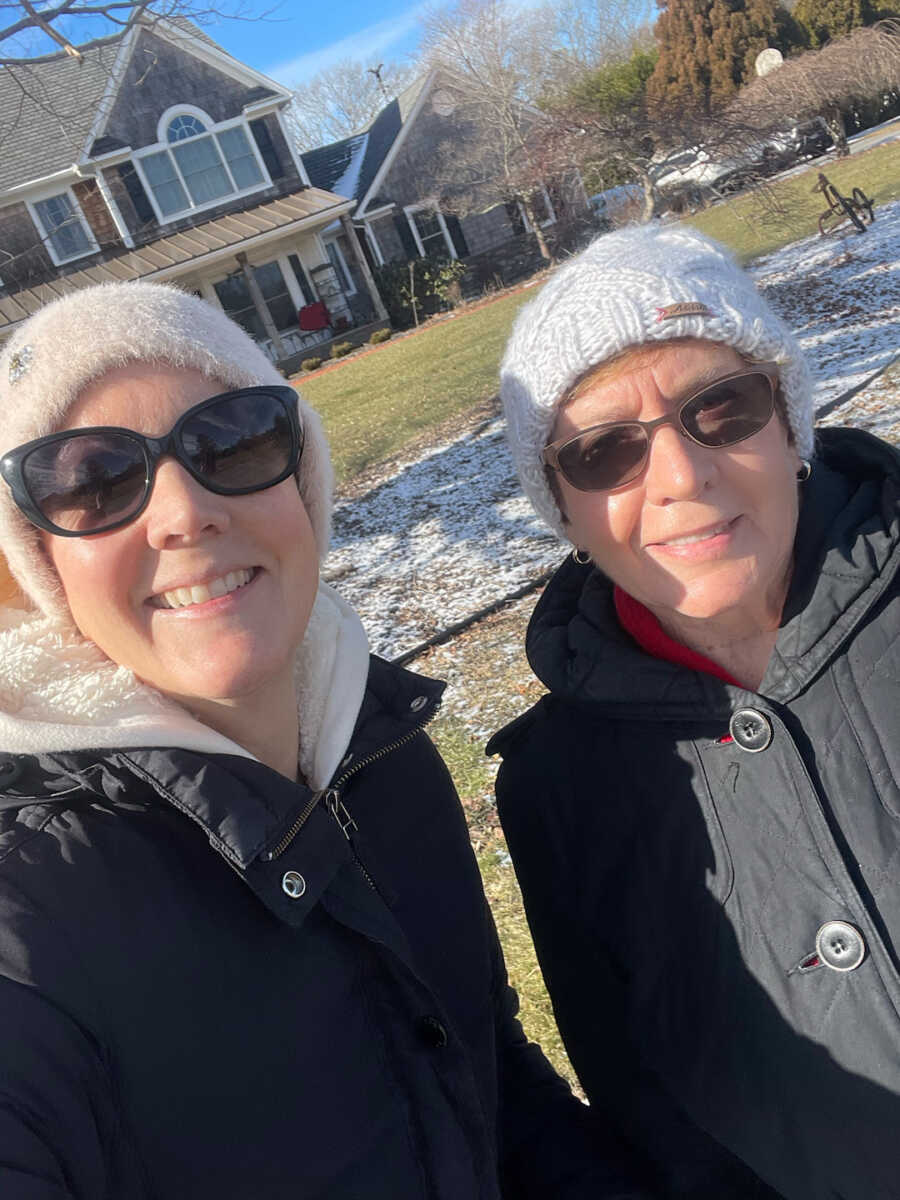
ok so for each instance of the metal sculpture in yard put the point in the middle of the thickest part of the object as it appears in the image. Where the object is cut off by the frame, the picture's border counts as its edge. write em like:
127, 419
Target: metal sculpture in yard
857, 207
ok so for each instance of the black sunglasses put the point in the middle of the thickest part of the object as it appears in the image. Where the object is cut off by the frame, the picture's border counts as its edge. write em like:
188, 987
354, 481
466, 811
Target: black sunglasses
86, 481
605, 457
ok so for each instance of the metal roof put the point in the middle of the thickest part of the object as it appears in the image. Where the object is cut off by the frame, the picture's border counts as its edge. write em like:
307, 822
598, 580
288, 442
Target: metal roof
172, 256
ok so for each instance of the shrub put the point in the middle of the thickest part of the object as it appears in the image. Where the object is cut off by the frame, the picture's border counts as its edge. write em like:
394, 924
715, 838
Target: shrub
339, 349
310, 364
380, 335
426, 283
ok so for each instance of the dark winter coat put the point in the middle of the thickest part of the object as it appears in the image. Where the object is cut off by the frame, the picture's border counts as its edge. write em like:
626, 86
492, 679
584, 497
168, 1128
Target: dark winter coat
678, 861
214, 983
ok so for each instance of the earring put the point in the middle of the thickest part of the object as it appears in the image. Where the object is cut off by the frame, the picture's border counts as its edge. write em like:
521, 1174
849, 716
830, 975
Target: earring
805, 470
582, 557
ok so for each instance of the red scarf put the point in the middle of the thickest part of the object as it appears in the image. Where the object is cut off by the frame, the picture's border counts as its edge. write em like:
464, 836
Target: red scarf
638, 621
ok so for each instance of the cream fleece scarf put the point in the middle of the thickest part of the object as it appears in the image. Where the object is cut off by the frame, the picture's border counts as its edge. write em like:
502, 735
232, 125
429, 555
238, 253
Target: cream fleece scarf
59, 692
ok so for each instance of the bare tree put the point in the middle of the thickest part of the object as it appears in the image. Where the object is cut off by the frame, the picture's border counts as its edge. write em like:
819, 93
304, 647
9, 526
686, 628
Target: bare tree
860, 67
492, 59
43, 32
344, 98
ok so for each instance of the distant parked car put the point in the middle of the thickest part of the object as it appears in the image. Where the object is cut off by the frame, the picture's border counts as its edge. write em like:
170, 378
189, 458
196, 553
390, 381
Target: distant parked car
617, 205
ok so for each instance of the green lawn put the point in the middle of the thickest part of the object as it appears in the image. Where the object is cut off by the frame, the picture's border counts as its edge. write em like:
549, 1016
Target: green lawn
757, 223
374, 405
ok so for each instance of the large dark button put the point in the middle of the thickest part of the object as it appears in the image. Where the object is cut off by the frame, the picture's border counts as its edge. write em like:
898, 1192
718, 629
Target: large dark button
840, 946
751, 730
432, 1033
10, 770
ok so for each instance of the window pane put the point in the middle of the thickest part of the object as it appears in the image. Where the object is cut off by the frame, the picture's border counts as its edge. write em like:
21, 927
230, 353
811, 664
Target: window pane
236, 148
202, 169
63, 226
164, 183
430, 233
234, 296
184, 127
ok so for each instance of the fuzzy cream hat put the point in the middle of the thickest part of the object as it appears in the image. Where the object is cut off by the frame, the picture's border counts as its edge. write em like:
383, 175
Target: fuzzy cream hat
72, 341
642, 284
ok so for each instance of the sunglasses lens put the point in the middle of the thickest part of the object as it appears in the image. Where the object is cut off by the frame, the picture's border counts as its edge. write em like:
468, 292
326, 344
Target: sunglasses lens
86, 482
242, 442
603, 459
730, 411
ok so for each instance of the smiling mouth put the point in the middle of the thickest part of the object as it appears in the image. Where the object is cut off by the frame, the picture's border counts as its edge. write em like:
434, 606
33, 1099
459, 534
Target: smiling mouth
703, 535
200, 593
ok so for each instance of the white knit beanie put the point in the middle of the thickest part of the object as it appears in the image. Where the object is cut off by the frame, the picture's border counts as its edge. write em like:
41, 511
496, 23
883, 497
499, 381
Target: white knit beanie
56, 353
642, 284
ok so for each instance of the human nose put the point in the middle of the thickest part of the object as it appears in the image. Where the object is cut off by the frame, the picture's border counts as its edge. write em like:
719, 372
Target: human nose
677, 468
181, 510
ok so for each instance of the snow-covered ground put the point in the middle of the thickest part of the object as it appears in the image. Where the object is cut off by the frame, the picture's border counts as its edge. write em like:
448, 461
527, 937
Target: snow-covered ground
450, 532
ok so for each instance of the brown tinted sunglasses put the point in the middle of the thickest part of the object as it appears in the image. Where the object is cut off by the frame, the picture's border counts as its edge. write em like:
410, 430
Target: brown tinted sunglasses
723, 413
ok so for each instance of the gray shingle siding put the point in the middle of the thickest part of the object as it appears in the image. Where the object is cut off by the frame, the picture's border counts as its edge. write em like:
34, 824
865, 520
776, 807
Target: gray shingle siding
160, 75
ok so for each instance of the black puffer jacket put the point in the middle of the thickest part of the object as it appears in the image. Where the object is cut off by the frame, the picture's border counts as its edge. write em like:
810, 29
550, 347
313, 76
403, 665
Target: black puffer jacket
676, 880
214, 984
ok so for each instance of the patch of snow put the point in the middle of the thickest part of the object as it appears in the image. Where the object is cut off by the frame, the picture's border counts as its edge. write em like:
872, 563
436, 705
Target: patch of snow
346, 184
450, 532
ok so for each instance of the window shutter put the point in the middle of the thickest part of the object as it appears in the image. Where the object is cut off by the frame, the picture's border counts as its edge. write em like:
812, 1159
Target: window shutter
136, 193
309, 295
401, 224
515, 216
457, 237
266, 148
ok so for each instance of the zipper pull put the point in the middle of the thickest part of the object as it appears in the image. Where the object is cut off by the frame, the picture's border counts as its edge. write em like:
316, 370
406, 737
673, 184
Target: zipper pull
338, 810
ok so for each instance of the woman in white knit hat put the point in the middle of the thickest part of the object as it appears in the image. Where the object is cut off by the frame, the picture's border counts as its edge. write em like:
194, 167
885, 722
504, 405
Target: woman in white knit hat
704, 811
244, 950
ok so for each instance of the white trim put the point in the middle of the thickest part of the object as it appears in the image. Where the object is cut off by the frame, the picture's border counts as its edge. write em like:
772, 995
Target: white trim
325, 242
296, 158
181, 110
411, 209
551, 220
110, 159
114, 210
375, 213
16, 192
46, 237
260, 108
290, 279
397, 143
374, 247
110, 92
166, 147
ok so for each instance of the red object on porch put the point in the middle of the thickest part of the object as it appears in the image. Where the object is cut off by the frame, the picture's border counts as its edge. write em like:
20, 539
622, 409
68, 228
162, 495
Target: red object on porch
314, 317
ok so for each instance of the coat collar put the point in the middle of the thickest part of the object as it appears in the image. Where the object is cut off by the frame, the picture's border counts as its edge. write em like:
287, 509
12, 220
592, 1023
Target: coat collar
846, 553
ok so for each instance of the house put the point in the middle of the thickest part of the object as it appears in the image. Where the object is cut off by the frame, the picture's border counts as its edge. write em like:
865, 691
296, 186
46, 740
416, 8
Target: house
159, 156
384, 170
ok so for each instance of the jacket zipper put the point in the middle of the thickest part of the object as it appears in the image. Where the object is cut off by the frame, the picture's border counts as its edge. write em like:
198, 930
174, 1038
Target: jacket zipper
335, 805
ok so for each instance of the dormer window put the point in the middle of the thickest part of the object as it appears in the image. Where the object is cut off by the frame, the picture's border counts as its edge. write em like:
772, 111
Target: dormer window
198, 163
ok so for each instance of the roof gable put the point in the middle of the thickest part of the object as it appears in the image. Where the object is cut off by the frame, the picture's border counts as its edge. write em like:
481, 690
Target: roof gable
351, 166
55, 114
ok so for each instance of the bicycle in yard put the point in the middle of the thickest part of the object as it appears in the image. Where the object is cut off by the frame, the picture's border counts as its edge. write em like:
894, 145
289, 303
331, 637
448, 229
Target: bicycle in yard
857, 207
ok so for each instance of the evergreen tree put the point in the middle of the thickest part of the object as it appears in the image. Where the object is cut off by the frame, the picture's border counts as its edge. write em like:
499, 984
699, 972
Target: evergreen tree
825, 20
707, 48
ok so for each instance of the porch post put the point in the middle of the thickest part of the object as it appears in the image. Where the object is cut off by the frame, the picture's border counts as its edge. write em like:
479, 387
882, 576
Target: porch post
261, 307
360, 259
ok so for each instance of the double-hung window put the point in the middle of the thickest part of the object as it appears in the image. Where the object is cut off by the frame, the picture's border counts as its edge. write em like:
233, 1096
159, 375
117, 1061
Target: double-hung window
201, 164
63, 227
430, 231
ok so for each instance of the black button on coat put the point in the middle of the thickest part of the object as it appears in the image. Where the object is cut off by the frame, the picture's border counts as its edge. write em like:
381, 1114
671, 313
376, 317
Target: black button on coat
182, 1020
676, 883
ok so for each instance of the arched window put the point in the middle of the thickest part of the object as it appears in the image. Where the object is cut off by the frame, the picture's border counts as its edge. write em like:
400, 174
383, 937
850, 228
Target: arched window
184, 126
200, 163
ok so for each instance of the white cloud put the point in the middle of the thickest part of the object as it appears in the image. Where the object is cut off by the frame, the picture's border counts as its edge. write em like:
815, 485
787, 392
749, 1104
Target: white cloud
362, 45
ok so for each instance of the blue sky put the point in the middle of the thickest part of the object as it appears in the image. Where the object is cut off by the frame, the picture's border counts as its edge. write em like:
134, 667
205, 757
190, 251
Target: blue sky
297, 39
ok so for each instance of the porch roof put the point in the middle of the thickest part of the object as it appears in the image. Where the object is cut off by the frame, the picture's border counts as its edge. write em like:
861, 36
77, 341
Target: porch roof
178, 253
